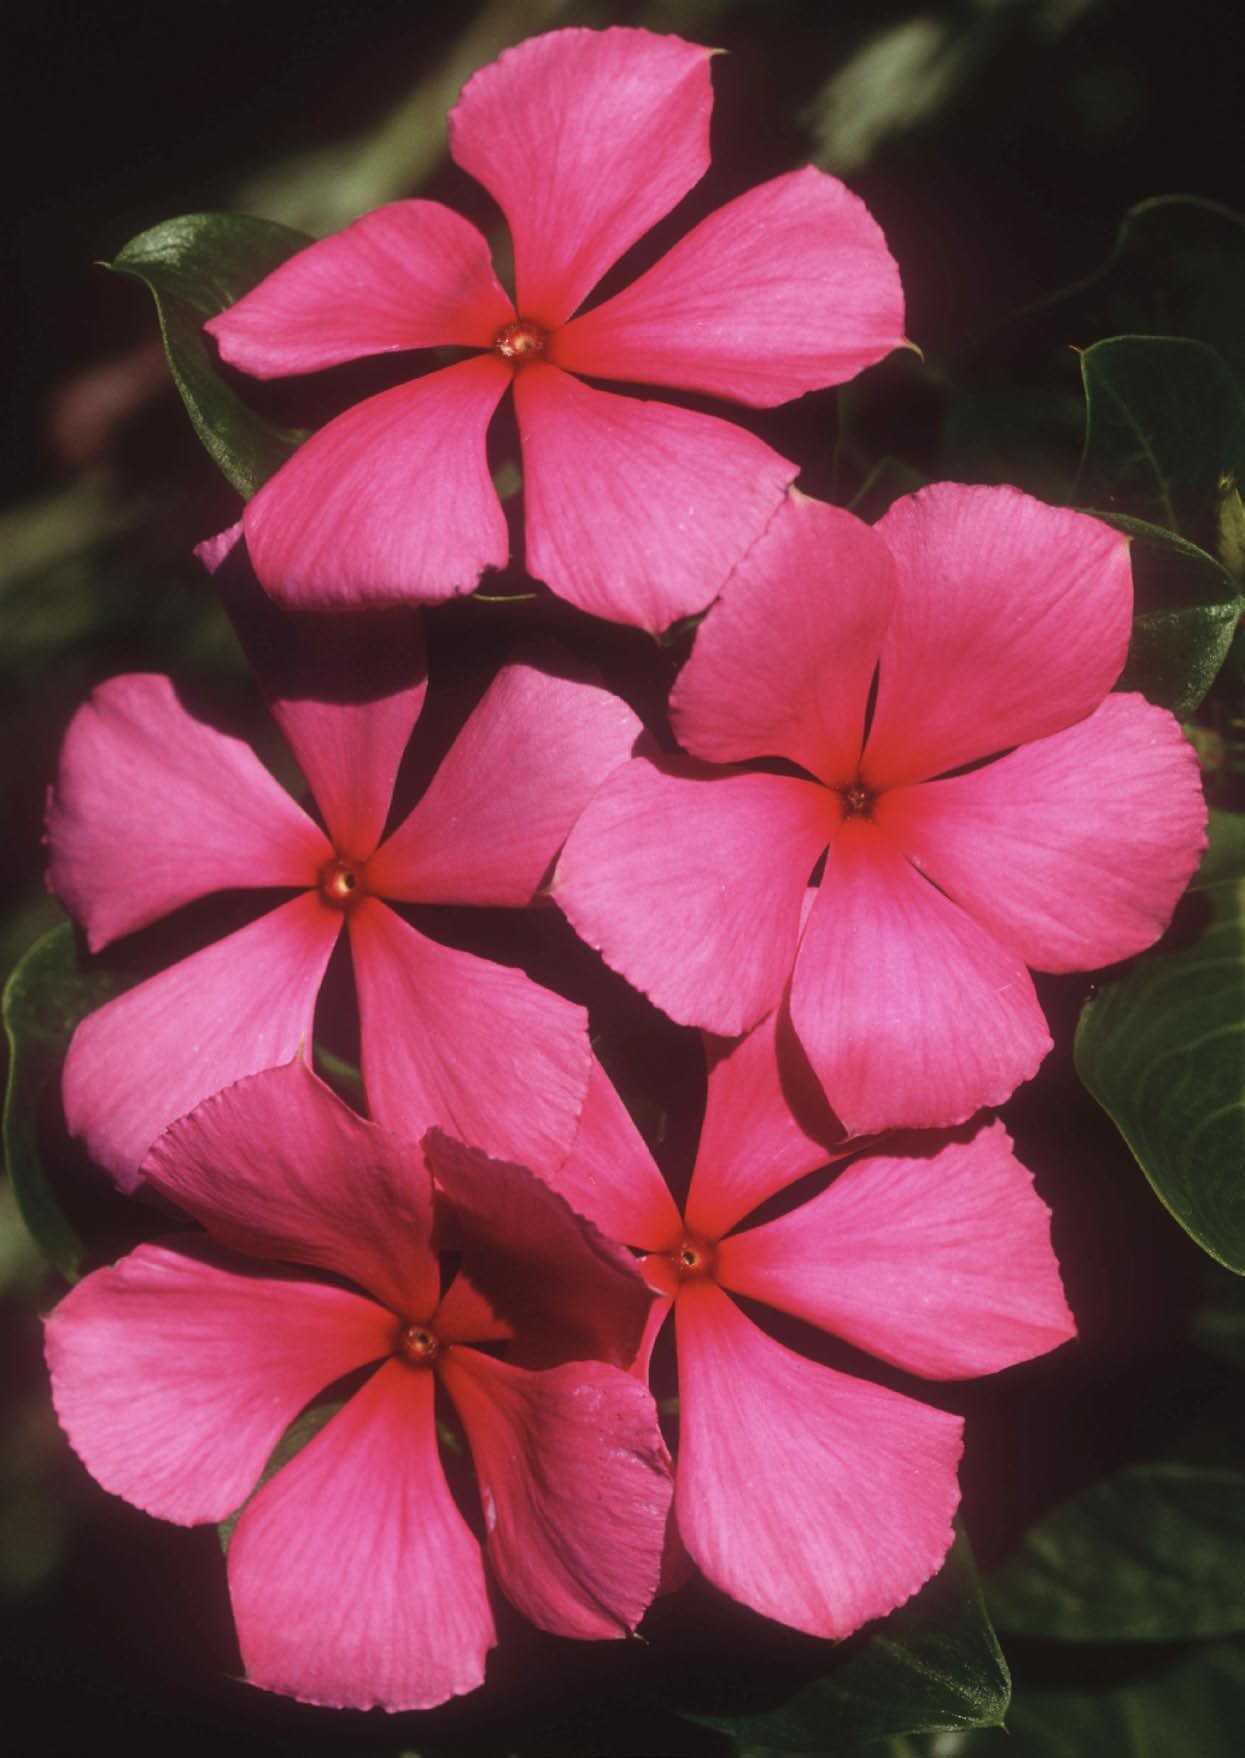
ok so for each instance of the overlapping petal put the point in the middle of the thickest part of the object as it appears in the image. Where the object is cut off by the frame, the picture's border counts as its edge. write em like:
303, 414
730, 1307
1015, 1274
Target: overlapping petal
784, 290
610, 1176
820, 1500
153, 808
354, 1578
637, 511
390, 502
175, 1372
585, 139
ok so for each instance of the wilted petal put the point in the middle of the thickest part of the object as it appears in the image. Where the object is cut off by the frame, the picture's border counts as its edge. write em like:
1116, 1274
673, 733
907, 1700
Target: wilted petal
392, 502
610, 1176
153, 808
585, 139
820, 1500
637, 511
784, 290
575, 1487
175, 1372
355, 1580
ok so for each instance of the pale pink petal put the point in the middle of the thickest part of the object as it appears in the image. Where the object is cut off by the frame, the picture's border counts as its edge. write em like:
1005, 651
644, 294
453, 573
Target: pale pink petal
911, 1015
153, 808
1071, 850
495, 814
355, 1580
574, 1484
243, 1004
936, 1257
277, 1166
637, 511
1012, 620
610, 1176
689, 882
820, 1500
584, 139
784, 290
458, 1043
565, 1290
784, 662
412, 274
391, 503
175, 1372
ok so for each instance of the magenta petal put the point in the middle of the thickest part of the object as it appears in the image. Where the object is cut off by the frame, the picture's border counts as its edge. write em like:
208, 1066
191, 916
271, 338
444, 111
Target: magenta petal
175, 1372
412, 274
820, 1500
585, 139
575, 1487
497, 811
1011, 621
566, 1291
784, 290
277, 1166
637, 511
355, 1580
689, 882
145, 1059
153, 808
784, 662
392, 502
1072, 850
610, 1176
911, 1014
936, 1258
461, 1044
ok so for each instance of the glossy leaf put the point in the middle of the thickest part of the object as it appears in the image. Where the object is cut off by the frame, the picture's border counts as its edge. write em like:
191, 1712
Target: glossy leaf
195, 266
1188, 608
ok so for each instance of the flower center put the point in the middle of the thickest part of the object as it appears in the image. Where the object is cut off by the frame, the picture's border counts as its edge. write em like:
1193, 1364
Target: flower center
417, 1345
521, 341
341, 882
695, 1259
857, 801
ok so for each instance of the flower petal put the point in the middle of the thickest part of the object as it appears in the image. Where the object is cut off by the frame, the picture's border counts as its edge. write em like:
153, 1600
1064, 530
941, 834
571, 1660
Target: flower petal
584, 139
412, 274
936, 1257
278, 1167
355, 1580
820, 1500
459, 1043
391, 503
786, 289
1071, 850
145, 1059
610, 1176
575, 1486
175, 1372
911, 1015
566, 1291
689, 882
1011, 621
498, 809
783, 664
153, 808
637, 511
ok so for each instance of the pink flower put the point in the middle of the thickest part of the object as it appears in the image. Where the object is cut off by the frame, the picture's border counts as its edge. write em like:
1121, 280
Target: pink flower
354, 1577
153, 808
992, 624
817, 1498
635, 511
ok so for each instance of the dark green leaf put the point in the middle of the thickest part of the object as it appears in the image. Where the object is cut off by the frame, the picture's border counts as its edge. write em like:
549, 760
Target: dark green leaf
1187, 612
1225, 858
45, 997
196, 266
1161, 1051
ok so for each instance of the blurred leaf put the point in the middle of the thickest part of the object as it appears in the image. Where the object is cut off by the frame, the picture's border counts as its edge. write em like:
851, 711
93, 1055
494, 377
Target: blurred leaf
195, 266
934, 1664
1225, 858
1160, 1050
1188, 608
45, 997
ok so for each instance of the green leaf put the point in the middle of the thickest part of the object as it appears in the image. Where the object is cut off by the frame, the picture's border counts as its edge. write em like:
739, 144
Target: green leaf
304, 1428
1225, 858
195, 266
46, 995
935, 1664
1160, 1050
1188, 607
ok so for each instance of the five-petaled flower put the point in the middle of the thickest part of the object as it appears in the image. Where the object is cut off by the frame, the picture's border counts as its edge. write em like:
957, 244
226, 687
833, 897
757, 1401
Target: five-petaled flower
635, 510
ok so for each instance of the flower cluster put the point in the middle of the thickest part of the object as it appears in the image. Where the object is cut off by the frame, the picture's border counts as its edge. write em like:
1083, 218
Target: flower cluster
904, 782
